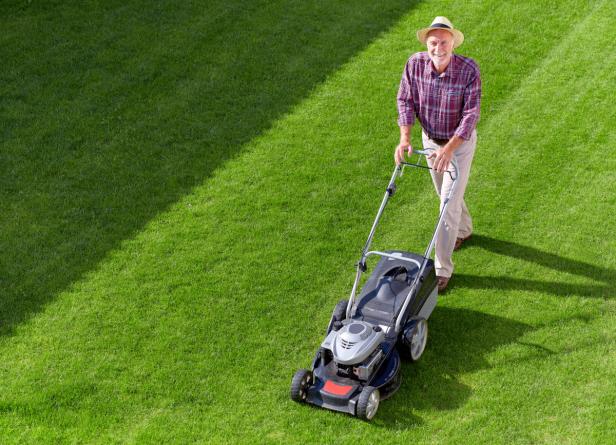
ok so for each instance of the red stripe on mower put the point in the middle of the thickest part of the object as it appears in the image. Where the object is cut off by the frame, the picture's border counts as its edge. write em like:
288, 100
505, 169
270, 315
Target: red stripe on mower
334, 388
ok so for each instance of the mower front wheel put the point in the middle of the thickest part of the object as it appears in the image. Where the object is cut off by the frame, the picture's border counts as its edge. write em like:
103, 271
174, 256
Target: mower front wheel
368, 403
299, 385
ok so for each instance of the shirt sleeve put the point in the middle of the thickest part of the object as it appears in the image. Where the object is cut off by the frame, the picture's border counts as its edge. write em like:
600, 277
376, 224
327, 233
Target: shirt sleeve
470, 110
406, 107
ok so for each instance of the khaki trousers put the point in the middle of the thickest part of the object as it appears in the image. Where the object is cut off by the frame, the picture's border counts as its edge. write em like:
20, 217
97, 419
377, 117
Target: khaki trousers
457, 222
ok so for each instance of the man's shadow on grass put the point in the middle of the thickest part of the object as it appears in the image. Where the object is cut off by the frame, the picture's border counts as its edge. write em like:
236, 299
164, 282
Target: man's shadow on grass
460, 339
543, 259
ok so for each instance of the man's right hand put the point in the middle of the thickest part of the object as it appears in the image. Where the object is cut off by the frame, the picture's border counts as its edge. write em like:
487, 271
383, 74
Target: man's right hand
400, 149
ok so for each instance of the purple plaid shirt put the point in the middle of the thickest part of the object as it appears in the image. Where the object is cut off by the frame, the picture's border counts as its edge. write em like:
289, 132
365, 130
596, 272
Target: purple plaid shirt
446, 104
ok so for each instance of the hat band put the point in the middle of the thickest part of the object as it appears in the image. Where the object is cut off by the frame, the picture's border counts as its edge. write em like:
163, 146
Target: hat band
440, 25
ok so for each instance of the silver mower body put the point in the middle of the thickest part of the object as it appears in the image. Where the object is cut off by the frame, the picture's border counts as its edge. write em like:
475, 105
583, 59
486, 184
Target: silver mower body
358, 363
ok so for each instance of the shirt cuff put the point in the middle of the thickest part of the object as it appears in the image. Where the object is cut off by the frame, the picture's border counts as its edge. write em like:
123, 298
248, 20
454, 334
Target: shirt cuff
464, 133
404, 120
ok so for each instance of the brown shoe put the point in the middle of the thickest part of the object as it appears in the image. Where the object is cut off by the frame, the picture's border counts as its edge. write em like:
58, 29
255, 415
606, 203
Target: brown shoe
442, 282
460, 241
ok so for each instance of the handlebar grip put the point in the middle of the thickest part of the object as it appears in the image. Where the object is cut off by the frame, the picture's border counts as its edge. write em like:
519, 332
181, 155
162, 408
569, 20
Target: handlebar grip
426, 153
422, 152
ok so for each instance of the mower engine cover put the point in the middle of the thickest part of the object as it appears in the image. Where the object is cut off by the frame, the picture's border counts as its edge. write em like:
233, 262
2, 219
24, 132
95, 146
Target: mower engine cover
354, 342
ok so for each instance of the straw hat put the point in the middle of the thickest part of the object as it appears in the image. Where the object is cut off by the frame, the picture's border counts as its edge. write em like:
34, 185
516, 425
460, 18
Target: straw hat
441, 23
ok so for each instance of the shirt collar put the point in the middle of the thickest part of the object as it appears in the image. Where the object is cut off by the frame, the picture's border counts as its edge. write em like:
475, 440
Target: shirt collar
447, 73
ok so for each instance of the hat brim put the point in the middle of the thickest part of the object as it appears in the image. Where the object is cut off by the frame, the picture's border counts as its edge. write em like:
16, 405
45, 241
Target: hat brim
458, 37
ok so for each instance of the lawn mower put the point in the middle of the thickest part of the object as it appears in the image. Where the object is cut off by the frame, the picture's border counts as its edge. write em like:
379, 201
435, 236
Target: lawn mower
358, 363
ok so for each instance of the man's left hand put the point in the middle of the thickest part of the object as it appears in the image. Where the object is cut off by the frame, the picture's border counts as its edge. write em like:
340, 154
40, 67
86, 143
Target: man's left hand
441, 159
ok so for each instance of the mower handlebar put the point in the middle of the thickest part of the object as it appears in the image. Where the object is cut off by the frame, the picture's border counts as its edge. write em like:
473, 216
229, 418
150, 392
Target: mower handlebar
427, 153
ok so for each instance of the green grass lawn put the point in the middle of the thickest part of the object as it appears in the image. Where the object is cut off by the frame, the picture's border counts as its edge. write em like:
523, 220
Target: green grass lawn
185, 189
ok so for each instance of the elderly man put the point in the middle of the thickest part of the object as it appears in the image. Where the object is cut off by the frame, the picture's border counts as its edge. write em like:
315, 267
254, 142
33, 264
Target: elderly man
444, 91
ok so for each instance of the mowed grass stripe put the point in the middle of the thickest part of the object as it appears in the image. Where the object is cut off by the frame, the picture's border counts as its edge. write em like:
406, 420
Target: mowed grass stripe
192, 329
565, 116
547, 224
113, 111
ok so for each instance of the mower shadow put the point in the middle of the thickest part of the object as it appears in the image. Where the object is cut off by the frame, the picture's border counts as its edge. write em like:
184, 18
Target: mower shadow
541, 258
461, 338
458, 343
131, 105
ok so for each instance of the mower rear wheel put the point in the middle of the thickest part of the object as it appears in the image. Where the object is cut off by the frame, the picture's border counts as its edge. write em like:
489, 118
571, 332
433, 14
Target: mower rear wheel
413, 342
419, 338
299, 385
338, 315
340, 310
368, 403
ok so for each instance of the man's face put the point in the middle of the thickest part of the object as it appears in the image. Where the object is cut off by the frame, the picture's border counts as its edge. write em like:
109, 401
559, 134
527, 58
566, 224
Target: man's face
440, 48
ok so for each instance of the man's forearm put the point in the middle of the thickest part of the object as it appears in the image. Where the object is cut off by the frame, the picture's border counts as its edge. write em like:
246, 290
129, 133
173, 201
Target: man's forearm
405, 134
453, 143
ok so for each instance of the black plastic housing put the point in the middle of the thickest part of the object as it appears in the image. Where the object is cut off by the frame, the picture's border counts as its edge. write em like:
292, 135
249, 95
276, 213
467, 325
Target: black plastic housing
385, 290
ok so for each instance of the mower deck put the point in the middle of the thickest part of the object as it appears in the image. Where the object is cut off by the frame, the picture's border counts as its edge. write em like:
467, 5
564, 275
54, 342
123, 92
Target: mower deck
341, 394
